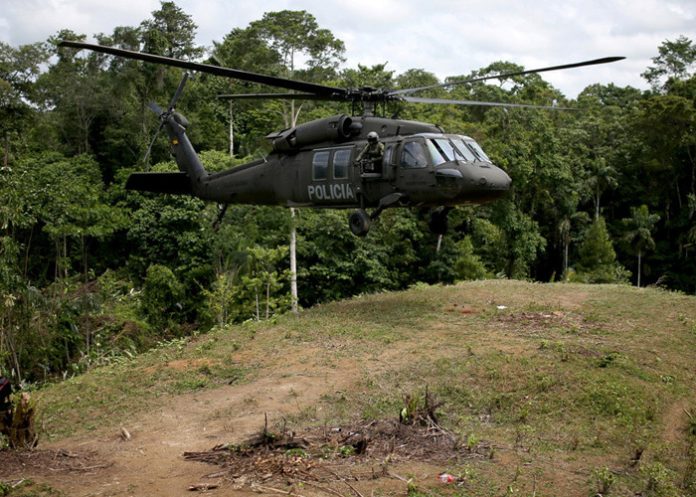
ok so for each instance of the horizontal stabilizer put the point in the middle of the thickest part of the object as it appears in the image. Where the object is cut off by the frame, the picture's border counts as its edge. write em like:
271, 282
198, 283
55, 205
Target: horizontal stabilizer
176, 183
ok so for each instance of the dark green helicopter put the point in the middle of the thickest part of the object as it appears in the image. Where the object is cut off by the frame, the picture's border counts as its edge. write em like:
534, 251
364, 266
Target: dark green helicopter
314, 164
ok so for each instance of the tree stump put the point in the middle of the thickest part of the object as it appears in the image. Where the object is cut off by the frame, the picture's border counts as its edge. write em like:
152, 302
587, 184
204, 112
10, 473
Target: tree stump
22, 430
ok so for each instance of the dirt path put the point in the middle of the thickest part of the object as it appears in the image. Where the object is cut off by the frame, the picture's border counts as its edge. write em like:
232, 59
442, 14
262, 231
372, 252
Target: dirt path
151, 463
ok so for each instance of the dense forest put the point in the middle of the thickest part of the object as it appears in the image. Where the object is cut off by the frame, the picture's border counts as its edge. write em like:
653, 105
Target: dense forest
90, 273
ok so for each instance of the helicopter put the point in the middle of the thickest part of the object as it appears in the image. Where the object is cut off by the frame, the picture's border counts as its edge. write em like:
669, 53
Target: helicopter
315, 164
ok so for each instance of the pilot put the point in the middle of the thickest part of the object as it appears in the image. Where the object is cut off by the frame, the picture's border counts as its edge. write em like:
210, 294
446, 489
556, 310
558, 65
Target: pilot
371, 155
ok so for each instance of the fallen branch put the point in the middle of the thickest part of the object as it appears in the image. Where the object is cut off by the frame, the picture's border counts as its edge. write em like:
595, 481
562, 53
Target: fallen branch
202, 486
325, 489
256, 487
340, 478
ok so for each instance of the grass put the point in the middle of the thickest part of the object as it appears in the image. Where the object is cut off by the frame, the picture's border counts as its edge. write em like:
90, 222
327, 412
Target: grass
566, 383
27, 488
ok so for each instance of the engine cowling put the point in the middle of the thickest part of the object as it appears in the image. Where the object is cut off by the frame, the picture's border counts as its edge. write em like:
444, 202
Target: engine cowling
331, 129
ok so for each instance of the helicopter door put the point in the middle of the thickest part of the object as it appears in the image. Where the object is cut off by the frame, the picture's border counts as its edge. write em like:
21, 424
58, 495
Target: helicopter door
413, 175
388, 163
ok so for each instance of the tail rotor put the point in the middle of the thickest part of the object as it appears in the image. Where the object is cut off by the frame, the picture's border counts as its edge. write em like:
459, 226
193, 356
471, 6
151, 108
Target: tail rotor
163, 115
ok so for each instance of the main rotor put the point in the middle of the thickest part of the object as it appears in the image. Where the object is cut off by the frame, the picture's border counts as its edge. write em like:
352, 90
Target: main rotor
367, 97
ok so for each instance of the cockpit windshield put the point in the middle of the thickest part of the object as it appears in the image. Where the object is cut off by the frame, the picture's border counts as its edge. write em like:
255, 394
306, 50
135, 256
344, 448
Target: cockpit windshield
448, 149
463, 149
477, 150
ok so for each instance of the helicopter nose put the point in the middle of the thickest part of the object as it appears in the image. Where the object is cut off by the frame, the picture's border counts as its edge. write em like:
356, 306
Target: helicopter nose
482, 184
499, 180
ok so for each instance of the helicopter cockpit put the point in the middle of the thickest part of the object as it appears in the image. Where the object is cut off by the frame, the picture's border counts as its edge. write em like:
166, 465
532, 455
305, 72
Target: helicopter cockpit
461, 168
441, 149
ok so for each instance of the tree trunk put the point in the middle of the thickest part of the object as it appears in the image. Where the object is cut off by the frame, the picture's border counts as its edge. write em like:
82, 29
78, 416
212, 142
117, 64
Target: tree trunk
6, 155
56, 272
65, 256
293, 263
566, 245
26, 251
84, 257
640, 256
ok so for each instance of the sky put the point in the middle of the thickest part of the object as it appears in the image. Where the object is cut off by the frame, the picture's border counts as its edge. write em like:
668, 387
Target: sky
445, 37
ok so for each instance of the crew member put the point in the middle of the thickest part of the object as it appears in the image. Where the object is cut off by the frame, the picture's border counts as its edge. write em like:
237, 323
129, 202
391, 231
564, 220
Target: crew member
370, 157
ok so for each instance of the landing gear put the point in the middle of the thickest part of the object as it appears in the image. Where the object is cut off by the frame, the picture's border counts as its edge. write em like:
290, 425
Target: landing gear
438, 220
359, 222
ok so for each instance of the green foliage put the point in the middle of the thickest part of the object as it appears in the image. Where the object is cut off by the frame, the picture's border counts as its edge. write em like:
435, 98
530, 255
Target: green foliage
659, 480
161, 298
468, 265
597, 259
603, 480
676, 61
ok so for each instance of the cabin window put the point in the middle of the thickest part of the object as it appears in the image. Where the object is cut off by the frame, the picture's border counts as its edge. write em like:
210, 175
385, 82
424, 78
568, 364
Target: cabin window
320, 165
413, 155
341, 161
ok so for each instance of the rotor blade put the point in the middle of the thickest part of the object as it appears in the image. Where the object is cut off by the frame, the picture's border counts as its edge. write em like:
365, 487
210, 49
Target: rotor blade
210, 69
282, 96
154, 139
444, 101
155, 108
605, 60
177, 93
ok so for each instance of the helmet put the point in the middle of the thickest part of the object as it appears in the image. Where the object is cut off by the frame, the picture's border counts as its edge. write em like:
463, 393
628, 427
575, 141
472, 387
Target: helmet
372, 136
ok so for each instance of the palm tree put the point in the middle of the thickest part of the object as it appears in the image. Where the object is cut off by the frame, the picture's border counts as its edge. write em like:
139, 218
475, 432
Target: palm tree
639, 234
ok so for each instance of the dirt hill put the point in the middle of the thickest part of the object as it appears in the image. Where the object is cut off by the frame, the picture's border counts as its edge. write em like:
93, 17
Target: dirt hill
531, 389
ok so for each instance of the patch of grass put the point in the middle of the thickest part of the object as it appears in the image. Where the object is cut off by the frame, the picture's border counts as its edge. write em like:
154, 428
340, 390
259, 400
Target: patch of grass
28, 488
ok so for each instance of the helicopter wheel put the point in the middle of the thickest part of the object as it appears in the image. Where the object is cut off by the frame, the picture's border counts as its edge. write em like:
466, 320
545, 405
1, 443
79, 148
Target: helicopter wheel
359, 222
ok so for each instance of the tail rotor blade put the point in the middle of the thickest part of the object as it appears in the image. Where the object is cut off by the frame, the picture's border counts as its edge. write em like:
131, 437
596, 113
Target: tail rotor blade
155, 108
177, 93
149, 148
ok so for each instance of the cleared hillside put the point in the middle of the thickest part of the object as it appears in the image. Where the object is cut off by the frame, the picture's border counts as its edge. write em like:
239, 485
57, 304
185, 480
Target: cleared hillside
549, 390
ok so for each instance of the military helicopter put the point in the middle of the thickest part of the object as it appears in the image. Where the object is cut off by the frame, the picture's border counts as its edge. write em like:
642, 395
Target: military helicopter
314, 164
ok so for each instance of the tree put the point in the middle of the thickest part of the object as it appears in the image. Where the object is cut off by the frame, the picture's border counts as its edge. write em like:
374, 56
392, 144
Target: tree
170, 32
639, 235
19, 68
294, 32
676, 61
597, 261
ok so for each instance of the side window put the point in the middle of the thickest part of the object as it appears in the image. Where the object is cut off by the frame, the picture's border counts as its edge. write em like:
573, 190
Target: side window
413, 155
341, 160
320, 165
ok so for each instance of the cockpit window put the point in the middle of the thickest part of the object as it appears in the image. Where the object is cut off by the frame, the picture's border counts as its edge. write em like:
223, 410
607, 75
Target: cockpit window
446, 150
478, 150
463, 149
413, 155
436, 153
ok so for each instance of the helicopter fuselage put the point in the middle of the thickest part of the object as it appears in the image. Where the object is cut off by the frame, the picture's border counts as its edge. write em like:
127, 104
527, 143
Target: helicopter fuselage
314, 165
